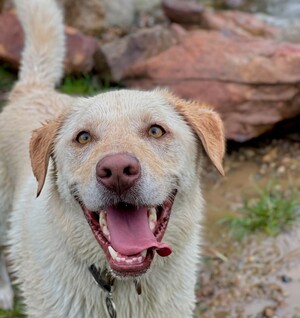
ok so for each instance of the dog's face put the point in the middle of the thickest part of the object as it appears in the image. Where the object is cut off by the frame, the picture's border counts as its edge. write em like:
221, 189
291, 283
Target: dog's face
122, 157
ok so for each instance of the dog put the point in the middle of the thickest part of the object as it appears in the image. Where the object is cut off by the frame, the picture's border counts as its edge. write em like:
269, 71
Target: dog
101, 195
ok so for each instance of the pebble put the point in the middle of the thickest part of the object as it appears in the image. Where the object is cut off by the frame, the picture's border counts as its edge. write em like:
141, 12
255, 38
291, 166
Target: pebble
269, 312
250, 153
281, 170
270, 156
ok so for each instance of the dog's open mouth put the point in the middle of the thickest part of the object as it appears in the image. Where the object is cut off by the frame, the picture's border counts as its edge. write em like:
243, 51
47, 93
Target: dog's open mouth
130, 235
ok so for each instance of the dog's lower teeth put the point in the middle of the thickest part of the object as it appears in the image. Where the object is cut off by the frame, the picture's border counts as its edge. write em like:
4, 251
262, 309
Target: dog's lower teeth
112, 253
126, 259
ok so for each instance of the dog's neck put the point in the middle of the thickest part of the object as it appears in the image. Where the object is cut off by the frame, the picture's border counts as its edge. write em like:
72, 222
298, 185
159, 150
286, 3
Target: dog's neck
105, 281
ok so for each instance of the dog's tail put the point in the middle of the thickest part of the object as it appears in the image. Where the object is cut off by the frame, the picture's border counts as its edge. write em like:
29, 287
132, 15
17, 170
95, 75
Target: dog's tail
44, 51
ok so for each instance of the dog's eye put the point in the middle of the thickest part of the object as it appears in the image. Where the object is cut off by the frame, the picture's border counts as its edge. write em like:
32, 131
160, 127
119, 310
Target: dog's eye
156, 131
83, 137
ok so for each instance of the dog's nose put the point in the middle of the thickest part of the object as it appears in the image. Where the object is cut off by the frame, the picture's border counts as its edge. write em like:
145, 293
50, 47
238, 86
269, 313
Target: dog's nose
118, 172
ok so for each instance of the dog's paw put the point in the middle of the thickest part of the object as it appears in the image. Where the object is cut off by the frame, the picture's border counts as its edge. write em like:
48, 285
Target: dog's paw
6, 297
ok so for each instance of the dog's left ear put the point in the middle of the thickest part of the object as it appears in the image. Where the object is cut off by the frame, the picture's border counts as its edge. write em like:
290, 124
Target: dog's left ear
41, 147
208, 126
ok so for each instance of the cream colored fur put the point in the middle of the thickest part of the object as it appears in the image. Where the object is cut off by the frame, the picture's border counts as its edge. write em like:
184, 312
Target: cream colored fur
50, 242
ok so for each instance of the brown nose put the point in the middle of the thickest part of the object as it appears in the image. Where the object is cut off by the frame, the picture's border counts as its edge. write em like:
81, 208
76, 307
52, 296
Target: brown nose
118, 172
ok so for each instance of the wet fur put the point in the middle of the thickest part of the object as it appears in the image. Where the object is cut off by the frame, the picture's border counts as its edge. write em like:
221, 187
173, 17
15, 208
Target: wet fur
50, 242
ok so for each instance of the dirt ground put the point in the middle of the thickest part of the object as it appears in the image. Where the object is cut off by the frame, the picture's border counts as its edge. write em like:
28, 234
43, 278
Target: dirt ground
259, 276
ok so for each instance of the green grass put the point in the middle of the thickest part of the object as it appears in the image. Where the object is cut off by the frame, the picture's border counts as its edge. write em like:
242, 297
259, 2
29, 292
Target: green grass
14, 313
82, 85
72, 84
272, 212
7, 78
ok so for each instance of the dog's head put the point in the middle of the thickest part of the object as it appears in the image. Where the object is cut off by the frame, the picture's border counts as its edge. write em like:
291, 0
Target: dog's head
123, 157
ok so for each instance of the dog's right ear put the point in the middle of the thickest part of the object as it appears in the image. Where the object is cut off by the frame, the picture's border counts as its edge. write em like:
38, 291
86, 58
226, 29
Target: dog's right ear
41, 147
207, 125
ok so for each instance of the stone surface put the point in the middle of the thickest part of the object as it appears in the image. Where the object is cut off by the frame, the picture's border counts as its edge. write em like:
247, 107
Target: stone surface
5, 5
146, 5
118, 12
80, 51
80, 48
1, 5
115, 58
87, 16
230, 21
252, 82
185, 12
94, 16
11, 39
237, 22
97, 17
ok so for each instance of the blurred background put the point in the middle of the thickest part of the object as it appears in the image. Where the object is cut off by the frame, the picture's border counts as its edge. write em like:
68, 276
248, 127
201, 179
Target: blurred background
243, 58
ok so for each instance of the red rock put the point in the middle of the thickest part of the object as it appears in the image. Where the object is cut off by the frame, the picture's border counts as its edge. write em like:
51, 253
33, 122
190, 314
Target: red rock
230, 21
11, 39
185, 12
113, 59
237, 22
80, 51
80, 48
252, 82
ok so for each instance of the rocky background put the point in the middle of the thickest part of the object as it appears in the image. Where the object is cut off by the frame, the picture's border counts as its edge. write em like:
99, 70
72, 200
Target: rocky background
246, 64
246, 68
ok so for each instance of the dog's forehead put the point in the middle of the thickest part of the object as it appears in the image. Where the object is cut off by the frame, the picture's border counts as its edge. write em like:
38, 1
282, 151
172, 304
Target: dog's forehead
125, 104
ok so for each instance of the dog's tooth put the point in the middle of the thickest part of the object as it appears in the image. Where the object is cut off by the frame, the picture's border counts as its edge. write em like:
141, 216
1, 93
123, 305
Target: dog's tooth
105, 231
152, 219
113, 253
140, 259
152, 226
119, 259
152, 215
129, 261
102, 219
144, 253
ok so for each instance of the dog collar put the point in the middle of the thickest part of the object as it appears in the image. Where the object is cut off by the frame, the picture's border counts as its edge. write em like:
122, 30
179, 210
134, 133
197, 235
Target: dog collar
105, 281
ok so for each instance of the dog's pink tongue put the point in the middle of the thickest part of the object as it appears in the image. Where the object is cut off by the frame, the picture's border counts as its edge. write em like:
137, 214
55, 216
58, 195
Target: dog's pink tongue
130, 232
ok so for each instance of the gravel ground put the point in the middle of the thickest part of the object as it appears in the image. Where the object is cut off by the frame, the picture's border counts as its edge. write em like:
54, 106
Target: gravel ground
259, 276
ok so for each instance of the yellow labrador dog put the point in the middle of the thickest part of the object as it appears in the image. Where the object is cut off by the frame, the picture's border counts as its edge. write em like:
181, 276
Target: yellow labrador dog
102, 194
